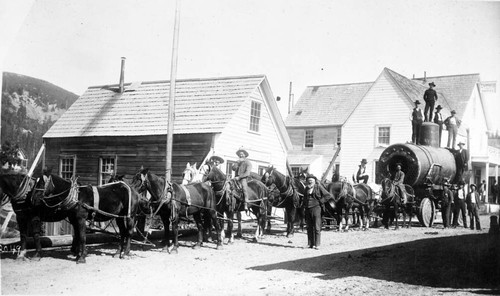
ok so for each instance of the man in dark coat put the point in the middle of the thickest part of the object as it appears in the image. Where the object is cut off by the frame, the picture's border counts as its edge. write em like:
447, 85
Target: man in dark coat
438, 119
416, 118
361, 175
473, 207
430, 97
398, 181
459, 205
464, 160
315, 196
243, 169
447, 202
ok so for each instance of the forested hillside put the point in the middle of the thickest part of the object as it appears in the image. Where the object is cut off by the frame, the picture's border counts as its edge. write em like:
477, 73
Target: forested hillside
29, 108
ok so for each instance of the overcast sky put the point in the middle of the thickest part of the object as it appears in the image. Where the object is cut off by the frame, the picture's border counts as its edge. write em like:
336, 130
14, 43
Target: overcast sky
75, 44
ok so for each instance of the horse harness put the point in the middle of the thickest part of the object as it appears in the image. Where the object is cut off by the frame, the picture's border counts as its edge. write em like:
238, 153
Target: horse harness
96, 200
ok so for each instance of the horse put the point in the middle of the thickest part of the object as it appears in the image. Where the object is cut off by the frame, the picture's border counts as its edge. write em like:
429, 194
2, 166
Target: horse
393, 205
191, 174
102, 203
291, 190
341, 203
171, 200
230, 200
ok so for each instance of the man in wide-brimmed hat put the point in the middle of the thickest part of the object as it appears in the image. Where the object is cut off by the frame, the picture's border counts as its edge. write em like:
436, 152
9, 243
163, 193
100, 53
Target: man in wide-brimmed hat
447, 201
459, 208
216, 160
243, 169
314, 198
430, 97
452, 124
398, 181
472, 201
438, 119
361, 175
416, 118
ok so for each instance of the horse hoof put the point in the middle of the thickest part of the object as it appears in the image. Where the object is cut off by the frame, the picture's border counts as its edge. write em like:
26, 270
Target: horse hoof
219, 247
255, 240
36, 258
80, 261
197, 247
239, 235
22, 258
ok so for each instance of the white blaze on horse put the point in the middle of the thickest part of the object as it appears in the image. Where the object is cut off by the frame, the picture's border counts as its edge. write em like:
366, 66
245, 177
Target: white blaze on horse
191, 174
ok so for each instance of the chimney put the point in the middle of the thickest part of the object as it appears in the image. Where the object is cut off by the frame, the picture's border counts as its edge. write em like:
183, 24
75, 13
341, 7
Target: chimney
122, 76
425, 76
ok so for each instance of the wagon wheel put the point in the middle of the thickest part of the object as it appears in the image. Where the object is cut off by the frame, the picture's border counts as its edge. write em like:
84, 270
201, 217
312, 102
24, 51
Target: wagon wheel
426, 212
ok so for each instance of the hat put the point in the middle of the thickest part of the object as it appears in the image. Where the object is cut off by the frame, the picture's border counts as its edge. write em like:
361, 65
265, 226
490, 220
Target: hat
242, 150
461, 143
432, 84
439, 107
364, 160
217, 158
417, 102
311, 176
473, 185
398, 163
453, 112
446, 183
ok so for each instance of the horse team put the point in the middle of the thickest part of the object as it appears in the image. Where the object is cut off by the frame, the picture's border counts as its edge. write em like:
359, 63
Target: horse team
210, 198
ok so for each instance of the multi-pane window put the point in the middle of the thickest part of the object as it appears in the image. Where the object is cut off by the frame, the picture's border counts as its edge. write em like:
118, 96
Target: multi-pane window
229, 168
255, 116
107, 168
262, 170
67, 167
309, 138
339, 136
295, 170
384, 135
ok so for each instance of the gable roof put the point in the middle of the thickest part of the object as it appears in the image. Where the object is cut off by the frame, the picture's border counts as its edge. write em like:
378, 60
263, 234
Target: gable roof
326, 105
201, 106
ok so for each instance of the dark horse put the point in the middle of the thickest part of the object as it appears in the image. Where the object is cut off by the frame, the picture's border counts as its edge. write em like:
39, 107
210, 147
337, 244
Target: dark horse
291, 194
171, 200
54, 199
391, 201
230, 200
341, 203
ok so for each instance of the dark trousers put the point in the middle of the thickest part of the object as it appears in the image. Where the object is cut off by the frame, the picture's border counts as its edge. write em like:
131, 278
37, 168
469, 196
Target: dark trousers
313, 221
474, 216
459, 206
364, 179
446, 214
429, 108
415, 132
244, 186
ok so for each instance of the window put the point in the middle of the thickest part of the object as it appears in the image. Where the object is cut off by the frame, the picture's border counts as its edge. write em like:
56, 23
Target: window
67, 166
262, 170
309, 139
229, 168
339, 136
296, 170
107, 168
384, 135
255, 117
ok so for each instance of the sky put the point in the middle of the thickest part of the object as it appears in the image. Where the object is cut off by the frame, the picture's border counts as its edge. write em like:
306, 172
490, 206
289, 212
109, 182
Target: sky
76, 44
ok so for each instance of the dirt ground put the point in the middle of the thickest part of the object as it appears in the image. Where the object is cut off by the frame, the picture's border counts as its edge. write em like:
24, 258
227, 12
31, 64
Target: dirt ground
416, 261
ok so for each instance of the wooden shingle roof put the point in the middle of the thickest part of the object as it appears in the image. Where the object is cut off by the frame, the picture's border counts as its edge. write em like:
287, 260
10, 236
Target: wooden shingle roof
201, 106
326, 105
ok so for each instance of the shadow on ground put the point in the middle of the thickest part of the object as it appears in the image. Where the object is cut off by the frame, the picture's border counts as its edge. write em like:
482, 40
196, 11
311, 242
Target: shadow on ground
466, 261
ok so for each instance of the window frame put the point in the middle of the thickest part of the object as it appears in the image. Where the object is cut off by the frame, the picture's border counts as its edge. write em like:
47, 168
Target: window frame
377, 136
63, 157
310, 137
101, 180
255, 116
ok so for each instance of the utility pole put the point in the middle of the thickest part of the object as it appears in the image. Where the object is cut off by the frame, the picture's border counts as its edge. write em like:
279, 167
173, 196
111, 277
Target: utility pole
171, 101
290, 98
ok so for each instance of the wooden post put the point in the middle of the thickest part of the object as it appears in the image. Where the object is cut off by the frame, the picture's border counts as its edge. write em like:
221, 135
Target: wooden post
171, 102
37, 158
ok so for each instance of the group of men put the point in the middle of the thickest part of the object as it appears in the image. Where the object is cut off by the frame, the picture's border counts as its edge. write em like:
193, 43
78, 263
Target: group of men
314, 197
417, 117
457, 201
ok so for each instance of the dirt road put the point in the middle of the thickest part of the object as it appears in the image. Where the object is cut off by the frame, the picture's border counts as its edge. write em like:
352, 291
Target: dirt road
416, 261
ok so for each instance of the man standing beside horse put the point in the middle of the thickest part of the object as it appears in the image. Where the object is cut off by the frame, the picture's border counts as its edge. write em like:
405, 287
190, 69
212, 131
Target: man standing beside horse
243, 168
314, 198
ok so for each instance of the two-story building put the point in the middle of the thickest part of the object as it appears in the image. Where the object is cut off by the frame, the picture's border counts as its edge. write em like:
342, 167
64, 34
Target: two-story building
368, 117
